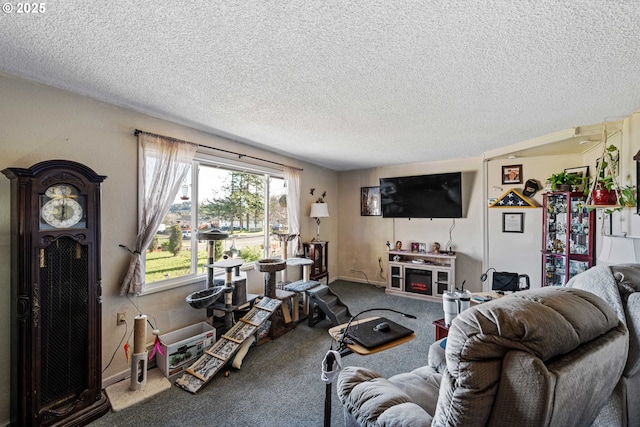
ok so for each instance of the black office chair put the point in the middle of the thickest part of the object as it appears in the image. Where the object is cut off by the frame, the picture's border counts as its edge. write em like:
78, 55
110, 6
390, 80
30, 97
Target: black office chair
504, 281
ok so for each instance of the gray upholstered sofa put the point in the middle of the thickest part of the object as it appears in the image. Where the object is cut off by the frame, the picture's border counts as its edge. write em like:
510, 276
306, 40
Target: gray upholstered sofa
551, 356
619, 286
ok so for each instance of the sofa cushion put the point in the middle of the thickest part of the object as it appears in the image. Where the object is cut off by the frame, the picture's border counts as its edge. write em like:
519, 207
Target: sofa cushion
367, 395
404, 415
422, 385
600, 281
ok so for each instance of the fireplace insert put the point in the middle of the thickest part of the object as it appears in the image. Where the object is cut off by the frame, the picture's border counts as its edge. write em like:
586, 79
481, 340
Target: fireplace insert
418, 281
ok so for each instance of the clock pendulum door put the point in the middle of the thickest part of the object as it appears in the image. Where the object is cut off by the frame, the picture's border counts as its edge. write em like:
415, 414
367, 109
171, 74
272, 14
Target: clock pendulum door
63, 301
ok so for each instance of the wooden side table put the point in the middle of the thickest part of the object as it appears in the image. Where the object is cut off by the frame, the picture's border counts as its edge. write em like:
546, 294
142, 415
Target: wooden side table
442, 330
480, 297
318, 252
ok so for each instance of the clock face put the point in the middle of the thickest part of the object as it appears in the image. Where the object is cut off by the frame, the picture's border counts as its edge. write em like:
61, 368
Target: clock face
62, 207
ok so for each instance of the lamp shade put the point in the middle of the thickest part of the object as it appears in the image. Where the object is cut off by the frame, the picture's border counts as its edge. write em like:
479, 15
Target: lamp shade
319, 210
618, 250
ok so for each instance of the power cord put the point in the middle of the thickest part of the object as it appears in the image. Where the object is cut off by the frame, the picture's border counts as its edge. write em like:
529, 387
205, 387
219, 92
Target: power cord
131, 333
366, 278
140, 313
118, 347
361, 272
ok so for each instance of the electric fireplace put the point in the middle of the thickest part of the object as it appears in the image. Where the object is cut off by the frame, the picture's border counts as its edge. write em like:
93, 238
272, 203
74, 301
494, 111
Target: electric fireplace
418, 281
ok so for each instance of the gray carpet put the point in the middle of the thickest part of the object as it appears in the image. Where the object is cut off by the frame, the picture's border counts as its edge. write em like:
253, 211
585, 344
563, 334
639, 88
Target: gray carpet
279, 383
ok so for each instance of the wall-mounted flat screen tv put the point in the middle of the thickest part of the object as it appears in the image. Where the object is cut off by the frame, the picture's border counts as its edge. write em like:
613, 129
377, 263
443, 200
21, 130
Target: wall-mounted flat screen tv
422, 196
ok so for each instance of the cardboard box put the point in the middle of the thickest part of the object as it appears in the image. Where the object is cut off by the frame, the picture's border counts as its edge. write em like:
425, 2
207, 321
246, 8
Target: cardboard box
183, 347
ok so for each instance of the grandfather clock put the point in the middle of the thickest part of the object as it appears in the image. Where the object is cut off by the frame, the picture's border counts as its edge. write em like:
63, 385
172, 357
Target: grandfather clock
56, 369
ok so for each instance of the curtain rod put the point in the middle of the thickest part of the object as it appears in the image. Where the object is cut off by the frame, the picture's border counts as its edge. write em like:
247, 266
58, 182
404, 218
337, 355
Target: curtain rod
240, 155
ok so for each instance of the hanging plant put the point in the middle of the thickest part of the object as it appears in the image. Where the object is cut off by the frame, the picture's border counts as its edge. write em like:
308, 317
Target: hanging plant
282, 201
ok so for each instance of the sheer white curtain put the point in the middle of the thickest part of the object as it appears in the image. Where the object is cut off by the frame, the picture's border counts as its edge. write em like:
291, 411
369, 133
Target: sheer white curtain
165, 165
293, 178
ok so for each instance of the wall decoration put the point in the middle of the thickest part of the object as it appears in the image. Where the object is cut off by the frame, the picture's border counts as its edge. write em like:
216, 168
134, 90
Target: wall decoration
512, 174
512, 199
513, 222
583, 174
370, 201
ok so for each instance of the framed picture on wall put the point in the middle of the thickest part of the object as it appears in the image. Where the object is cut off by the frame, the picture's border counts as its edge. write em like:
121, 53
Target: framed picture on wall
512, 174
370, 201
513, 222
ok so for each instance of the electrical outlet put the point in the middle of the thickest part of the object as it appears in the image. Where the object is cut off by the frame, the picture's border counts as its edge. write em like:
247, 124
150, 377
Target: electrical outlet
121, 318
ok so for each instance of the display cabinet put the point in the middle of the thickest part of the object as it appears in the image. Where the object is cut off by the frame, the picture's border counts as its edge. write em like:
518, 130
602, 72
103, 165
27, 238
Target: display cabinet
319, 253
568, 243
422, 275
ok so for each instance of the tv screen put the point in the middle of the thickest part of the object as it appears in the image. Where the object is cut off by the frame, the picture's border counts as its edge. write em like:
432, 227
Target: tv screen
422, 196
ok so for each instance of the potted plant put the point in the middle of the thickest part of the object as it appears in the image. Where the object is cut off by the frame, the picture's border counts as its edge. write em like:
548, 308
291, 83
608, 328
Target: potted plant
604, 191
607, 191
563, 181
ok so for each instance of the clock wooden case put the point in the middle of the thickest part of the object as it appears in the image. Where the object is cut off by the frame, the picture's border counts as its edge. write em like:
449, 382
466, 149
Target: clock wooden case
56, 298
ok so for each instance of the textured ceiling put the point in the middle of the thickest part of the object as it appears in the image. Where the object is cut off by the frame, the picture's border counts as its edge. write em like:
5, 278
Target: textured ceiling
346, 85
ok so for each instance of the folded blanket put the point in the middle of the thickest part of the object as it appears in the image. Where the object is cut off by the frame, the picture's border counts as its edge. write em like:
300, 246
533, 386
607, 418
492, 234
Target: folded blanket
599, 280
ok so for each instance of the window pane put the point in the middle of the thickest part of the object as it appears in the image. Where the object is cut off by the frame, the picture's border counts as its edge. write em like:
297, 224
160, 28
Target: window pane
278, 222
233, 202
169, 256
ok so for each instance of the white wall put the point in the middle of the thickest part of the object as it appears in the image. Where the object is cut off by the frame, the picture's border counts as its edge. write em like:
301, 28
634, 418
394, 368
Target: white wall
520, 252
363, 237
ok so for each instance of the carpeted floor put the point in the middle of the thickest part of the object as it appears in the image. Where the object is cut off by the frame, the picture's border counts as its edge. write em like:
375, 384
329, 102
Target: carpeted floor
279, 383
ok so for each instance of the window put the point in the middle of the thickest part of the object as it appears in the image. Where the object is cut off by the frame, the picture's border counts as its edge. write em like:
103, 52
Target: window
242, 200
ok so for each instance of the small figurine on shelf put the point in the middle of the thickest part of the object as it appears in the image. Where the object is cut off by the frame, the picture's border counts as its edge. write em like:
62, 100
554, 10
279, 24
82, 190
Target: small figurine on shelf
436, 247
388, 245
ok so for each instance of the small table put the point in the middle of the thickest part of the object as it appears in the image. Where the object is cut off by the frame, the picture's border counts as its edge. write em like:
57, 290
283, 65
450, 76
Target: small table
488, 296
336, 334
442, 330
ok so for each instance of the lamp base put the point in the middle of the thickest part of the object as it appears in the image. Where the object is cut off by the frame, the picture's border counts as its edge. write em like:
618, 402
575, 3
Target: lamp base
317, 238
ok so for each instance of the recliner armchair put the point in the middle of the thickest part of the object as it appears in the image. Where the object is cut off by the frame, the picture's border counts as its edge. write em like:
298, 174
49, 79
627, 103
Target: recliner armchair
550, 356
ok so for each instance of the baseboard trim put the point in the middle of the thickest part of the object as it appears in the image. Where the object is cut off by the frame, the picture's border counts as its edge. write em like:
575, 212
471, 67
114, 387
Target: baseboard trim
358, 280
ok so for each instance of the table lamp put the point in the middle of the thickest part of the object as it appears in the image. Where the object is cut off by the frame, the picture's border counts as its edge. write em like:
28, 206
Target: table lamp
618, 250
319, 210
